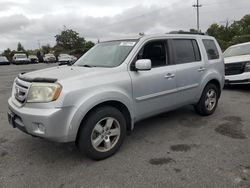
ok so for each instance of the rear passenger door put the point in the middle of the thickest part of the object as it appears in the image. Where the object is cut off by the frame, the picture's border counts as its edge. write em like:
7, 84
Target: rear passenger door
189, 69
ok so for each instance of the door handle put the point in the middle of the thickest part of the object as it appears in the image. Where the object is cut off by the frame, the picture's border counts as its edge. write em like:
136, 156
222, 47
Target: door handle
201, 69
169, 76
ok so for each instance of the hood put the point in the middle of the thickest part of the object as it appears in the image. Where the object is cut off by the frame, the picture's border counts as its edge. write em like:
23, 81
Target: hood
61, 73
235, 59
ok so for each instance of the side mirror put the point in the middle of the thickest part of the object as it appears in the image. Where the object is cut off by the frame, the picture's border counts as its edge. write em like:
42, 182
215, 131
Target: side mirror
143, 65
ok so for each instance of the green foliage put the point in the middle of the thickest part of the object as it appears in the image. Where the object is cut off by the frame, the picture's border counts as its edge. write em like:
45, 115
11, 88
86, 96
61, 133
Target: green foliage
39, 56
7, 53
88, 45
20, 48
59, 49
70, 42
237, 32
240, 39
69, 39
46, 49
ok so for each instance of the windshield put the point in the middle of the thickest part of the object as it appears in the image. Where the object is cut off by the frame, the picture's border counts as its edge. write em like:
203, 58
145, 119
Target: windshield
107, 54
238, 50
21, 56
3, 59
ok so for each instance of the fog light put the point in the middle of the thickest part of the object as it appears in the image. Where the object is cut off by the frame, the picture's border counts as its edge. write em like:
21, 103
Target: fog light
38, 128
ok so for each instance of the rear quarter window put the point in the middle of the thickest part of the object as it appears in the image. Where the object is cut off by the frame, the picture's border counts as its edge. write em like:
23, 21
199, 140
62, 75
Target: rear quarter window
211, 49
186, 51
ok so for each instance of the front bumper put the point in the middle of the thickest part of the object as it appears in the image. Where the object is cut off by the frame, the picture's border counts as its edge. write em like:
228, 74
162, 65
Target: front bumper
50, 60
4, 63
52, 124
21, 62
34, 60
243, 78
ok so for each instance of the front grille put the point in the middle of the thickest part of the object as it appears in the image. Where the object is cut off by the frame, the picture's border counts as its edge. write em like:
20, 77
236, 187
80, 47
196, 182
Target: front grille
21, 90
234, 68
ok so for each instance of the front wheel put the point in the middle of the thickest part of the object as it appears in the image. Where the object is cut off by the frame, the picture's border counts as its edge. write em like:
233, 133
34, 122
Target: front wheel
208, 101
102, 133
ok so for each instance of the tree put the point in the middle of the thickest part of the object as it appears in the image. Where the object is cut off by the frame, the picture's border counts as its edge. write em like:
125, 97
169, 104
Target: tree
58, 50
69, 40
221, 34
7, 53
39, 56
88, 45
242, 26
46, 49
237, 32
20, 48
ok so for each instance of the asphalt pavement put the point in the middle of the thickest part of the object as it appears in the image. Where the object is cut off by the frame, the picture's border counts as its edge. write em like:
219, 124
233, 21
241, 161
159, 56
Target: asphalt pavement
174, 149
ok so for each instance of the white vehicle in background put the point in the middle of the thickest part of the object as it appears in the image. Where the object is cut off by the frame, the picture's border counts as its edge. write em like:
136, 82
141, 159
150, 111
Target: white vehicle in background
49, 58
20, 59
4, 60
74, 58
65, 59
33, 59
237, 64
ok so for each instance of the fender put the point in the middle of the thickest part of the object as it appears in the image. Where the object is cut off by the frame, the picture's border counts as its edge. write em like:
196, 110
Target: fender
93, 99
211, 75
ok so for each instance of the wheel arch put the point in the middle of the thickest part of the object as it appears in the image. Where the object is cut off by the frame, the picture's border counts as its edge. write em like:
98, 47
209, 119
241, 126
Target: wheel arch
213, 77
113, 103
216, 83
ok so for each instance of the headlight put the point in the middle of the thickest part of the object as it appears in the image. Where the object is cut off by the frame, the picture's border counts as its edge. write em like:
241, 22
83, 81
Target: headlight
247, 67
43, 92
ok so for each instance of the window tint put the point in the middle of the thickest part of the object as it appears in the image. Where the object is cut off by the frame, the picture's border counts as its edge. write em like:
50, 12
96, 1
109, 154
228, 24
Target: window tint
212, 52
186, 51
107, 54
196, 51
155, 51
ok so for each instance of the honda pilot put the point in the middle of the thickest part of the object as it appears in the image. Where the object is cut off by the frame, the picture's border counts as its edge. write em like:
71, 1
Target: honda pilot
117, 83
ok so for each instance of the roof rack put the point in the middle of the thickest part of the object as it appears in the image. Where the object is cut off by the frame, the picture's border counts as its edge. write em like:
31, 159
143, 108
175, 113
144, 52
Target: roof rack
186, 32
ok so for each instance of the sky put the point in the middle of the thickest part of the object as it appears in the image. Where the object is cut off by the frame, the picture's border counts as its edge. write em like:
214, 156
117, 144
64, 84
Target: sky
35, 23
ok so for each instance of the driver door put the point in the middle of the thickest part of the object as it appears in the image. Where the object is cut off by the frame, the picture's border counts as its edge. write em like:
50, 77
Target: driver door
154, 91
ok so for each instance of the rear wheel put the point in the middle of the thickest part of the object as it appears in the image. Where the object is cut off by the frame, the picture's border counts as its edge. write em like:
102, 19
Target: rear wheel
102, 133
208, 101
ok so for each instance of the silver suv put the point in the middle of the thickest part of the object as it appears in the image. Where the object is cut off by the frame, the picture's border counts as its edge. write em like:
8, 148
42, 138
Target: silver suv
114, 85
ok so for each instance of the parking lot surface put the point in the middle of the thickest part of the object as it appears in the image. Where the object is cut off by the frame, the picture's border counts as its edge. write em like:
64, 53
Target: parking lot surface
174, 149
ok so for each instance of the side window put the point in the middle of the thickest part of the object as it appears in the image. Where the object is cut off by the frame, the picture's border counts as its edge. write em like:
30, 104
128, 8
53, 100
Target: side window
196, 51
155, 51
186, 51
212, 51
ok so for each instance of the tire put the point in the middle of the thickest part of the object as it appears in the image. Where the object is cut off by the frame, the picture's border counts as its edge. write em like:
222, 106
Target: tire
207, 105
93, 131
